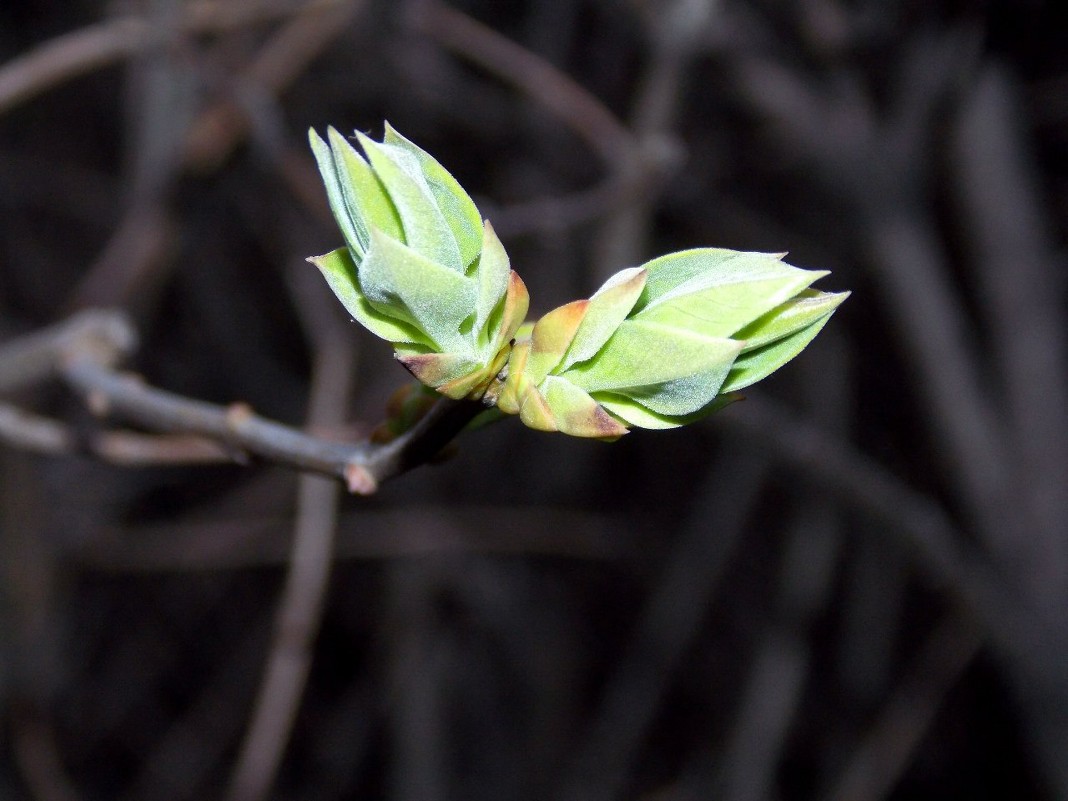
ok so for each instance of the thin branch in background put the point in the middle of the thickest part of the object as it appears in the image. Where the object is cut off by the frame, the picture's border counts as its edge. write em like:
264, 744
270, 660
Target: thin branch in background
128, 448
633, 160
198, 742
69, 56
132, 267
236, 426
554, 215
538, 79
886, 179
29, 602
133, 257
675, 30
908, 259
1022, 286
134, 264
606, 758
37, 754
136, 252
886, 750
299, 611
416, 648
32, 432
370, 534
876, 591
81, 350
774, 689
137, 249
39, 356
279, 62
1031, 640
849, 145
74, 54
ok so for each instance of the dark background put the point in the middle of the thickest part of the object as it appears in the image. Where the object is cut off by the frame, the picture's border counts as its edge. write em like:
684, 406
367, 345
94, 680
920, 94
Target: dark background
851, 586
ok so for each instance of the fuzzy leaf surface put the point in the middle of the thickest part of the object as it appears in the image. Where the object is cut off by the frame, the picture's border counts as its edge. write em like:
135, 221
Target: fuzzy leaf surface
335, 195
493, 276
339, 270
608, 308
366, 199
456, 205
642, 354
403, 283
754, 365
425, 228
791, 316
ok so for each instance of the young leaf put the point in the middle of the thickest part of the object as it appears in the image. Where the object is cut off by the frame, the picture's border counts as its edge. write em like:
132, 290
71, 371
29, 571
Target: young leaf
608, 308
456, 205
339, 270
642, 354
493, 277
793, 315
400, 281
756, 364
365, 198
335, 195
425, 228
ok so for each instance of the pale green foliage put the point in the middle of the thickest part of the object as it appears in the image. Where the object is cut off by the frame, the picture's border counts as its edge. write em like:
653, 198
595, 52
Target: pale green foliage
420, 268
657, 346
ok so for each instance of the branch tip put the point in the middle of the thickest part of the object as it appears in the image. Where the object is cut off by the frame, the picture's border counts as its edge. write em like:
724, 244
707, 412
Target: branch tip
359, 479
238, 413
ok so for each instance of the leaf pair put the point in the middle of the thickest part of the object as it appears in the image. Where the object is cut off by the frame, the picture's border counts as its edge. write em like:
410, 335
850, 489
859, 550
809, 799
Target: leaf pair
657, 346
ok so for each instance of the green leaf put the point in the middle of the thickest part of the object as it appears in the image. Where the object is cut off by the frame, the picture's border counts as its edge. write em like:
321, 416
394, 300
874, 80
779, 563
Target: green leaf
656, 346
790, 316
335, 195
510, 396
674, 269
493, 276
575, 412
425, 228
721, 310
340, 272
402, 282
608, 307
642, 354
759, 363
507, 320
730, 292
551, 337
633, 413
682, 396
456, 205
535, 413
368, 204
439, 369
693, 270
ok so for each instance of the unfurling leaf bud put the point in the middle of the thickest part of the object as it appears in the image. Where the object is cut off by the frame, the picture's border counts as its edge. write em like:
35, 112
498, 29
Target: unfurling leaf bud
661, 345
420, 269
